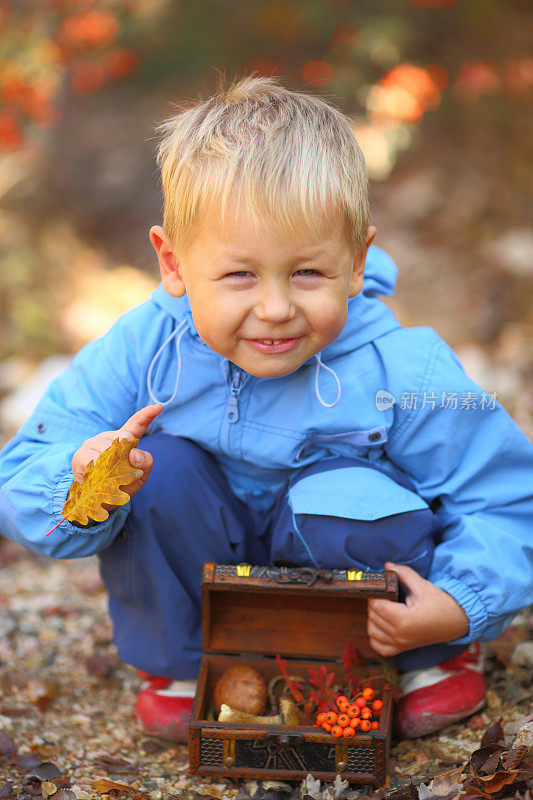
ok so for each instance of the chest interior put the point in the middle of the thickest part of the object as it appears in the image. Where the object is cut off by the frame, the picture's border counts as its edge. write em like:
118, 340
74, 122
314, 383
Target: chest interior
250, 614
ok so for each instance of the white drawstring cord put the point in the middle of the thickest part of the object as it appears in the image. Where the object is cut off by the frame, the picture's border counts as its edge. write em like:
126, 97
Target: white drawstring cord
182, 325
320, 363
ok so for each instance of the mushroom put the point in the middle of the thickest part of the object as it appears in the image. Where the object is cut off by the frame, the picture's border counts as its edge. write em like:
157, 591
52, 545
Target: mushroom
228, 714
243, 689
278, 687
289, 712
289, 715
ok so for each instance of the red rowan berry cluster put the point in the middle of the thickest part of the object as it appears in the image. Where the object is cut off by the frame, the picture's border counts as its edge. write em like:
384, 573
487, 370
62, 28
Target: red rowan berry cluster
361, 713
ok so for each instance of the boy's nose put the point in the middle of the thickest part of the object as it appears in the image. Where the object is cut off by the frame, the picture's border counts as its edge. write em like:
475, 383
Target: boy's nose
275, 305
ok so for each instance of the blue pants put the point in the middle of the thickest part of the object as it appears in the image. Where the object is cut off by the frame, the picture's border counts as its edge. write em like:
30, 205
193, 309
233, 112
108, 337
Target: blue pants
186, 514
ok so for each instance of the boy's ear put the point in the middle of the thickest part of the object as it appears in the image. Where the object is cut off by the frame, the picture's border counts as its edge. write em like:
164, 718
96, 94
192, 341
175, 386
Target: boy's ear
358, 268
168, 265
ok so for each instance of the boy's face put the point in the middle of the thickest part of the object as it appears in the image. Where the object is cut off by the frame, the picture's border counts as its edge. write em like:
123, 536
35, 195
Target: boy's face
262, 301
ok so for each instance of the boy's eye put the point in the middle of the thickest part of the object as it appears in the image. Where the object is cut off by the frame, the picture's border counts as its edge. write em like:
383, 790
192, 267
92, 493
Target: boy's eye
241, 274
308, 272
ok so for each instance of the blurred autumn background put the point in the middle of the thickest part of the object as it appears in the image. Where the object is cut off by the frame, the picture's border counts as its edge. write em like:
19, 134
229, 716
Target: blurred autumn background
439, 94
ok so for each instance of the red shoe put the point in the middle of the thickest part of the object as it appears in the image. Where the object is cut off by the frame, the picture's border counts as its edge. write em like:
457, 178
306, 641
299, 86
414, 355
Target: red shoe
164, 706
438, 696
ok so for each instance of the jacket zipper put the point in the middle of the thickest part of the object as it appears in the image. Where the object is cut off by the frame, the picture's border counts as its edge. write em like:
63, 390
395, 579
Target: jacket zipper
232, 411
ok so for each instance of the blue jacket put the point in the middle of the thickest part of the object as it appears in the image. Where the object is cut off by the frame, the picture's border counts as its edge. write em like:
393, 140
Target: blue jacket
396, 396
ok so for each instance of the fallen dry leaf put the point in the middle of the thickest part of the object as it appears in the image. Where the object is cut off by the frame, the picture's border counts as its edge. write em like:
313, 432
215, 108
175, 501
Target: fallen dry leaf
48, 788
113, 765
487, 755
494, 734
114, 788
512, 758
445, 783
491, 764
42, 692
491, 767
493, 783
102, 480
27, 761
409, 792
214, 791
44, 771
472, 792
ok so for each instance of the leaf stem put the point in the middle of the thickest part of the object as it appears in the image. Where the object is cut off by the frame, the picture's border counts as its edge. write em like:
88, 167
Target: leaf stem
55, 526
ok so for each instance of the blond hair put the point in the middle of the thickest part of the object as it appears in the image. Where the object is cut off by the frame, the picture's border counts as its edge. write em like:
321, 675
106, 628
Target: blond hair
288, 157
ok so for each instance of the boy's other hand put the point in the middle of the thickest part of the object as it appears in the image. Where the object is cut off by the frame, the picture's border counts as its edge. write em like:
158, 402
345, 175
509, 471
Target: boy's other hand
428, 616
134, 428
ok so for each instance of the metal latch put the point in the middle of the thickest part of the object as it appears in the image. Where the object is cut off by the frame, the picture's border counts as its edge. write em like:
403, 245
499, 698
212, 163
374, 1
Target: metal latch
306, 575
284, 739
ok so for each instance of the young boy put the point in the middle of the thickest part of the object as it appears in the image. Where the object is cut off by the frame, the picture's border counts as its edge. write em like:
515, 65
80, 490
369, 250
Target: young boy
290, 419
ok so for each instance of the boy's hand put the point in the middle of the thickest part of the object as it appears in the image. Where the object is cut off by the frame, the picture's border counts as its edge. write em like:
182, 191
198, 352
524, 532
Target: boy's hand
134, 428
429, 615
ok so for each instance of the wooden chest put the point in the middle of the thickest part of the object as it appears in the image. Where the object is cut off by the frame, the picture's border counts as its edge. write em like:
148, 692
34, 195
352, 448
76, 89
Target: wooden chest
306, 616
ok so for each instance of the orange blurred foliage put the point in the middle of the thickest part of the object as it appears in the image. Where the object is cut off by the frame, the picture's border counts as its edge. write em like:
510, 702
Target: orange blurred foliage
438, 75
79, 39
30, 98
13, 89
419, 81
317, 72
4, 14
88, 75
476, 78
121, 63
406, 92
42, 50
89, 29
518, 76
10, 134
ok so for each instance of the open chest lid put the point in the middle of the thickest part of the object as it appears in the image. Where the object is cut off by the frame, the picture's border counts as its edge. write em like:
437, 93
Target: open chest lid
297, 612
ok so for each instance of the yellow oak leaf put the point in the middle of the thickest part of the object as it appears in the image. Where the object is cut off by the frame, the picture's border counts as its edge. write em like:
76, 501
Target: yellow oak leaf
102, 480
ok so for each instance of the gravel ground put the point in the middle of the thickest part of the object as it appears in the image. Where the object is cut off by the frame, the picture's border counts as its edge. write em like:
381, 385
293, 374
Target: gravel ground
66, 698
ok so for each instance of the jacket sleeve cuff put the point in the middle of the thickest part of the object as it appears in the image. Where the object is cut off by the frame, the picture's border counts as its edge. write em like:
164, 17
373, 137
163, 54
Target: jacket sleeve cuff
107, 529
469, 601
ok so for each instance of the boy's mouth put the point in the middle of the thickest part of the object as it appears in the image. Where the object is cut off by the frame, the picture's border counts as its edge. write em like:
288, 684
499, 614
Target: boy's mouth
274, 345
